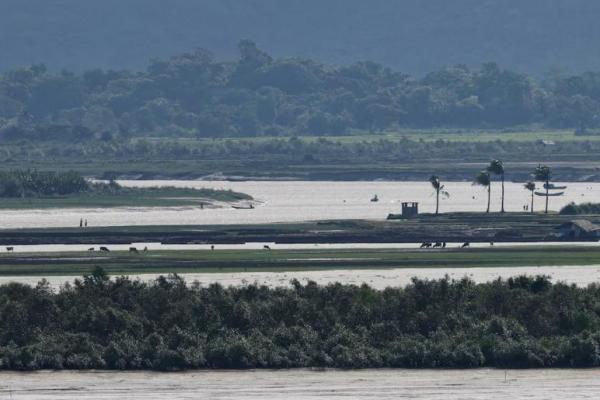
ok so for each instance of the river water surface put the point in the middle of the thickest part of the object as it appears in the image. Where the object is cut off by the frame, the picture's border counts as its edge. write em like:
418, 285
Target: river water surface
291, 201
482, 384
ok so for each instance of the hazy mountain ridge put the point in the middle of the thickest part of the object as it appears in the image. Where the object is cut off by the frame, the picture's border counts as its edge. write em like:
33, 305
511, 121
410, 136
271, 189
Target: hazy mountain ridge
415, 36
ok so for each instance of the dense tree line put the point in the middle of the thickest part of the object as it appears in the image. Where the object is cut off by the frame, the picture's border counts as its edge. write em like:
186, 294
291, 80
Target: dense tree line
294, 150
128, 324
584, 208
194, 95
33, 183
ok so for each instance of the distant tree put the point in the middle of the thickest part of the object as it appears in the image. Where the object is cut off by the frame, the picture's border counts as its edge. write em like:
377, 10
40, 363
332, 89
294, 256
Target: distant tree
531, 187
496, 167
483, 179
542, 173
439, 189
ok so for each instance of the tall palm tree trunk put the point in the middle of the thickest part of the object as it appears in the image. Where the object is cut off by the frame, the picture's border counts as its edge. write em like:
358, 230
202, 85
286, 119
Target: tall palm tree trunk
489, 198
547, 187
532, 201
502, 207
437, 201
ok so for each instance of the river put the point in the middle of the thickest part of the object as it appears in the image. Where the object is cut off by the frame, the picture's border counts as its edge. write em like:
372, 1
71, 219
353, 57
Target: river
480, 384
292, 201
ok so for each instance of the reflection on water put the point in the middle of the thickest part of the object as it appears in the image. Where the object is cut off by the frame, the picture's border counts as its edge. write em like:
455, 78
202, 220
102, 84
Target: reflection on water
283, 201
480, 384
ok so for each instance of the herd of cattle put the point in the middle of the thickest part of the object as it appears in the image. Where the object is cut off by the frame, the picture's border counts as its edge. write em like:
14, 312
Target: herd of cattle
442, 245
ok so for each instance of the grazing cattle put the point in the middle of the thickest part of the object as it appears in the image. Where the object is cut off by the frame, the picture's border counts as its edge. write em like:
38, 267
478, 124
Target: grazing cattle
10, 249
105, 249
265, 247
91, 249
133, 250
465, 244
425, 245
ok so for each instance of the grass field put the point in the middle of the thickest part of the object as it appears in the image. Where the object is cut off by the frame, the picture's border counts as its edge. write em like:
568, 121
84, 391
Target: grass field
116, 263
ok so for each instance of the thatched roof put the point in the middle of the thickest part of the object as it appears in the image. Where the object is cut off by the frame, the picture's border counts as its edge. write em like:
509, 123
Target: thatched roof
583, 224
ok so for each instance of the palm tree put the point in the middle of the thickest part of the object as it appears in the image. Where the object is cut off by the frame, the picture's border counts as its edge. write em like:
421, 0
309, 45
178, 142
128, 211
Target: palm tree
531, 187
542, 173
439, 189
483, 179
496, 167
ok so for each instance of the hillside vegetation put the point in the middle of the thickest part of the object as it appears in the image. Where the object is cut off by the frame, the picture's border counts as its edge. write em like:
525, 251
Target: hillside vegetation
195, 95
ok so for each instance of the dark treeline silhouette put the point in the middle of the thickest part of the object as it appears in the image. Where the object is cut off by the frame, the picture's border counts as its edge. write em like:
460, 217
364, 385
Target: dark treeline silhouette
47, 184
584, 208
128, 324
194, 95
33, 183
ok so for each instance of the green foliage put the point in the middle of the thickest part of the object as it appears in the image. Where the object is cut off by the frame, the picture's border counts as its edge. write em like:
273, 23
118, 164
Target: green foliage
194, 95
529, 186
33, 183
71, 188
585, 208
167, 325
482, 178
542, 173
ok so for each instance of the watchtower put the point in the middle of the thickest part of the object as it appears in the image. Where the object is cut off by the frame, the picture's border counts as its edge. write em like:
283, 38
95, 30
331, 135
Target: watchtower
410, 209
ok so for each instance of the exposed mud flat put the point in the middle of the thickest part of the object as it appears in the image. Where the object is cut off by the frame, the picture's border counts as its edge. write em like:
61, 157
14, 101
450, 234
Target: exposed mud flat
377, 278
478, 384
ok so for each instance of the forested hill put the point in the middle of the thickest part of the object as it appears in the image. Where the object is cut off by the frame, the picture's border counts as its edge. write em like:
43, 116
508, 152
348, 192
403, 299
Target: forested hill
415, 36
196, 95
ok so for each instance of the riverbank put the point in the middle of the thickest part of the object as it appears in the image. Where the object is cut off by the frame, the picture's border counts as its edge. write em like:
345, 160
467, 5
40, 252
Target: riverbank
129, 197
305, 384
233, 261
450, 227
406, 155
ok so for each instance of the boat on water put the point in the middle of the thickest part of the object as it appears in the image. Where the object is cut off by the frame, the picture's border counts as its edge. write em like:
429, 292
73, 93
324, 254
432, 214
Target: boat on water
552, 186
543, 194
244, 207
375, 199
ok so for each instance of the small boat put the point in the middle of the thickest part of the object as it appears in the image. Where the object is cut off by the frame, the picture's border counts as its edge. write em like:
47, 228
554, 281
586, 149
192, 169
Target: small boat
552, 186
249, 207
543, 194
375, 199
